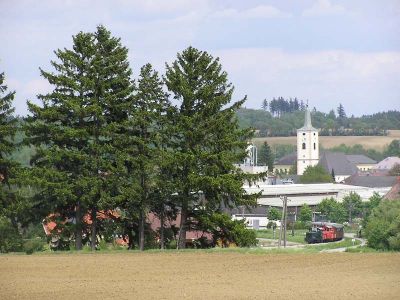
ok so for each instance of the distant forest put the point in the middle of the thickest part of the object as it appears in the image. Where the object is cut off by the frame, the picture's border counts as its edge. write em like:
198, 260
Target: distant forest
282, 117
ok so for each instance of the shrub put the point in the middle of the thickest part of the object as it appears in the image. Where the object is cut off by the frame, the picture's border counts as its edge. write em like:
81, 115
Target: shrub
305, 213
10, 239
226, 231
274, 214
333, 210
315, 174
302, 225
34, 245
383, 226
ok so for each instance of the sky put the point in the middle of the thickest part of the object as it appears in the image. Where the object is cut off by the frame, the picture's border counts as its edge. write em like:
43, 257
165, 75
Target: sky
324, 51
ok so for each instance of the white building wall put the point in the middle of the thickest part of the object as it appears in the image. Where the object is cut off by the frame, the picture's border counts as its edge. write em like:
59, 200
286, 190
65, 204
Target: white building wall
310, 155
262, 221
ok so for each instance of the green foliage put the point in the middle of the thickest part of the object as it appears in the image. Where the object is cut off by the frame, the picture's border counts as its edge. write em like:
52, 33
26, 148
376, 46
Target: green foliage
34, 245
368, 207
393, 149
383, 227
8, 168
10, 239
227, 231
293, 169
332, 210
285, 123
34, 230
316, 174
340, 111
305, 213
357, 149
353, 205
206, 137
266, 156
8, 127
138, 145
274, 214
280, 150
73, 127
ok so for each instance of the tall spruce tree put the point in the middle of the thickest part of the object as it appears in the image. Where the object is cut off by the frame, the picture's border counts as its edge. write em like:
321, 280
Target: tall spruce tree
73, 128
8, 128
206, 140
139, 146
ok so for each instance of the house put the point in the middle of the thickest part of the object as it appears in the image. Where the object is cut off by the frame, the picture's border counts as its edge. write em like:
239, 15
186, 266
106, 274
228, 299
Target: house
284, 164
337, 164
387, 163
394, 193
362, 162
371, 180
255, 218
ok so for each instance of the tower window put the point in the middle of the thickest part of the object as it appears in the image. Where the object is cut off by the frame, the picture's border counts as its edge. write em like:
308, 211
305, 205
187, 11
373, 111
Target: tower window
315, 147
305, 133
314, 133
304, 146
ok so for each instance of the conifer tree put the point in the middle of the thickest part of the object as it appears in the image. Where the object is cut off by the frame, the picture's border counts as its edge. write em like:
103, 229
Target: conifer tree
206, 138
73, 127
267, 156
8, 128
340, 111
139, 146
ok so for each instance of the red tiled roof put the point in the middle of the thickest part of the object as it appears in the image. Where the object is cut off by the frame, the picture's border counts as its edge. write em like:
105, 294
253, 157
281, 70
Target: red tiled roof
394, 193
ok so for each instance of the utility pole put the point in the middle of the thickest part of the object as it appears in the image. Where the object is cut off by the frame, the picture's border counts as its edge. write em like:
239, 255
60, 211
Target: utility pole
282, 219
284, 222
282, 233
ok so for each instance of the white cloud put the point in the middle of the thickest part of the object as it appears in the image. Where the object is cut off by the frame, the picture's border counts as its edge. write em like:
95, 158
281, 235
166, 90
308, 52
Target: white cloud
261, 11
363, 82
37, 86
323, 8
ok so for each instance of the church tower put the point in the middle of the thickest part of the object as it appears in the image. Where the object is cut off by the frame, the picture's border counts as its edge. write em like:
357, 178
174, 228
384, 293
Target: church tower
307, 145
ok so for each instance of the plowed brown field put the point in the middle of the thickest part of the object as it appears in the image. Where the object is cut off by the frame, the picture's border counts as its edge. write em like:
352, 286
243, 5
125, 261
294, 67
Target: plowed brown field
200, 275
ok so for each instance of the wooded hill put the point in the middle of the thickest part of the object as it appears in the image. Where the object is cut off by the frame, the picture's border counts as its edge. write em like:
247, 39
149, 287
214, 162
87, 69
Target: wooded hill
285, 123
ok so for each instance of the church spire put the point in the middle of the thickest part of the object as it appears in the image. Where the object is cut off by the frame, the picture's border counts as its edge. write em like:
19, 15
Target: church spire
307, 120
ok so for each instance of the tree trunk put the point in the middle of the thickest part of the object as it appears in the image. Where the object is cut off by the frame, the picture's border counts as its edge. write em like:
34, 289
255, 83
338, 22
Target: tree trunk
182, 228
141, 230
162, 229
93, 232
78, 227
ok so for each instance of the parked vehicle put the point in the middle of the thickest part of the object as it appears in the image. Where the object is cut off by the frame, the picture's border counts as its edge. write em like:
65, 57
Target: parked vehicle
322, 232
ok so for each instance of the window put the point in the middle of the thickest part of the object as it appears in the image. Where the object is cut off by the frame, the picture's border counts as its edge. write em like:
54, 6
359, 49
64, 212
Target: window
315, 147
314, 133
304, 146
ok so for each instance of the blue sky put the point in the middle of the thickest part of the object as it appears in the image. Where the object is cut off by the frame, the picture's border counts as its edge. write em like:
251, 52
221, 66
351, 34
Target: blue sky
326, 51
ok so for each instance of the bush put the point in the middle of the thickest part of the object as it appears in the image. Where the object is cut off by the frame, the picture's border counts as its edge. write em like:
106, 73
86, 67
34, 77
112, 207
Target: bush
333, 210
10, 239
383, 226
301, 225
305, 213
315, 174
34, 245
242, 236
